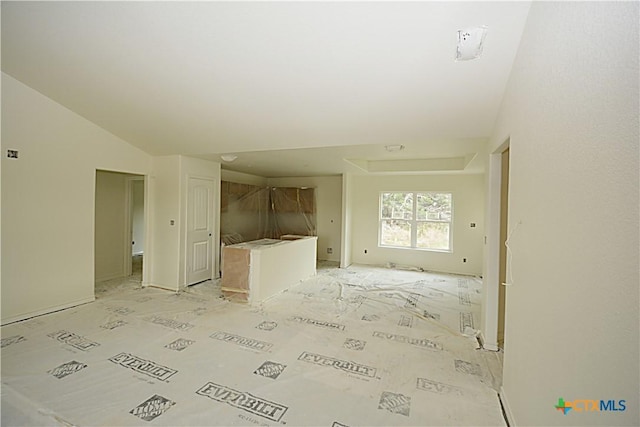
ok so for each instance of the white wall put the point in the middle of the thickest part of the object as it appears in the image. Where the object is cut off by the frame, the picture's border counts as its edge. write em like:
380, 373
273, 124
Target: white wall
110, 225
468, 207
164, 238
48, 200
167, 241
571, 112
328, 191
242, 178
347, 220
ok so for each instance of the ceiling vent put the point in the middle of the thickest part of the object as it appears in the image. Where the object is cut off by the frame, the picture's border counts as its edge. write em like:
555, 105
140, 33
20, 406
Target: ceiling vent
470, 43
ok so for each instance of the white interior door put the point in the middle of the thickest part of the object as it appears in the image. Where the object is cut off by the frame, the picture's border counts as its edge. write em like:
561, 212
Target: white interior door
199, 230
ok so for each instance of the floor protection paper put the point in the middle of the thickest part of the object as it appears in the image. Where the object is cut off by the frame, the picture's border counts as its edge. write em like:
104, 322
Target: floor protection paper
348, 347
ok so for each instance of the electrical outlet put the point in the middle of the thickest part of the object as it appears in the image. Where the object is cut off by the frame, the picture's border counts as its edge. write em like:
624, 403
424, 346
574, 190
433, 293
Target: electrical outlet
329, 250
365, 251
12, 154
464, 260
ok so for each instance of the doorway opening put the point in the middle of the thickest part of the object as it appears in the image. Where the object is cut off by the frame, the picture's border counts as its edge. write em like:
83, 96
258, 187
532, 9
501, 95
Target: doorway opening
136, 228
496, 252
118, 231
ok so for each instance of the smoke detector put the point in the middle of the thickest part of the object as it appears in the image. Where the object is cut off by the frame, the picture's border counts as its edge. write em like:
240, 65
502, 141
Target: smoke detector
393, 148
228, 157
470, 43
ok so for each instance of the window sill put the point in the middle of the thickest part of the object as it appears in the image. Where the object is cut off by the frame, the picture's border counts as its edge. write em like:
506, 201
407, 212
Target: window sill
443, 251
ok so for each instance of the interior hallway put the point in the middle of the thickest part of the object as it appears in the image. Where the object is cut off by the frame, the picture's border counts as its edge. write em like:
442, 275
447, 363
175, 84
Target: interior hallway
356, 346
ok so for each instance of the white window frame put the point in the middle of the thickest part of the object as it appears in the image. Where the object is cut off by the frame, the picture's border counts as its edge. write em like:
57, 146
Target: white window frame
413, 222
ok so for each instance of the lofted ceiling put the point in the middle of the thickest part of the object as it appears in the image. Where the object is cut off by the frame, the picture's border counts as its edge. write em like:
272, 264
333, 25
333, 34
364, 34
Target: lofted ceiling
291, 88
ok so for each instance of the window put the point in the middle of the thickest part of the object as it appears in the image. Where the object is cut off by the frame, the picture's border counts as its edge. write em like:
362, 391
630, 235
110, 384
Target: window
416, 220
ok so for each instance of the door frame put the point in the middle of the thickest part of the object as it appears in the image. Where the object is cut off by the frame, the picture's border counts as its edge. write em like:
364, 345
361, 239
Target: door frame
128, 226
215, 213
489, 332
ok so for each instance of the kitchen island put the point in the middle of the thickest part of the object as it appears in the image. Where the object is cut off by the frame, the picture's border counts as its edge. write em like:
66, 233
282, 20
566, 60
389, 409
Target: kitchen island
256, 270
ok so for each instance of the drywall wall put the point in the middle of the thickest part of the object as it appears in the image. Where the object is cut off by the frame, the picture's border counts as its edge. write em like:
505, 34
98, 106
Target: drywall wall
48, 200
571, 114
168, 182
347, 209
242, 178
328, 191
268, 278
110, 225
137, 221
468, 207
164, 238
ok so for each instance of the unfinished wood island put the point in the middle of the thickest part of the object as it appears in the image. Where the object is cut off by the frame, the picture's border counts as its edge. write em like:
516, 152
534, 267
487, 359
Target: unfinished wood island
254, 271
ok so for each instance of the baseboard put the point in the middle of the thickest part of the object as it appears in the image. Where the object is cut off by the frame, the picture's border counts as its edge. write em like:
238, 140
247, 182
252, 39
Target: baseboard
110, 277
164, 287
48, 310
506, 409
485, 345
327, 259
344, 265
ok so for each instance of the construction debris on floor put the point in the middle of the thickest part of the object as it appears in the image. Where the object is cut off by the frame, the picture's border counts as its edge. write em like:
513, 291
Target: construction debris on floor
348, 347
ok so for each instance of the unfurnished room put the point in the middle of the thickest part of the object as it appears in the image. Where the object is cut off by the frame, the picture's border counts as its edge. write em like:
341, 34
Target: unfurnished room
230, 213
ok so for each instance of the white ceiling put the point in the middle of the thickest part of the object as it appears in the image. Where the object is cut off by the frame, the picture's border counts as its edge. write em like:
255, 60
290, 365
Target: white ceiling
318, 81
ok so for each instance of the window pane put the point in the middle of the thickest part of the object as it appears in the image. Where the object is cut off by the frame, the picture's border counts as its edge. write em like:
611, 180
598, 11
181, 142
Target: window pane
397, 206
395, 233
434, 206
433, 235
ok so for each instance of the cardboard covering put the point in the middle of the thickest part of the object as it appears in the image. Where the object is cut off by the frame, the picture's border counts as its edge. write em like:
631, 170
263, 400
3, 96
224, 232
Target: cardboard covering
348, 347
236, 264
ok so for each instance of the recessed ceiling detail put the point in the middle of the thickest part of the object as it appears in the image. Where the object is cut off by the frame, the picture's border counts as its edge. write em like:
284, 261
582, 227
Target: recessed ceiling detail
446, 164
440, 156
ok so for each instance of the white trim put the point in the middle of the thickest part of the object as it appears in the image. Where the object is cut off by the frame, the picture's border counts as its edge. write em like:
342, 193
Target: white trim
128, 218
163, 287
345, 232
492, 250
148, 231
47, 310
505, 405
128, 226
109, 277
485, 344
215, 218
